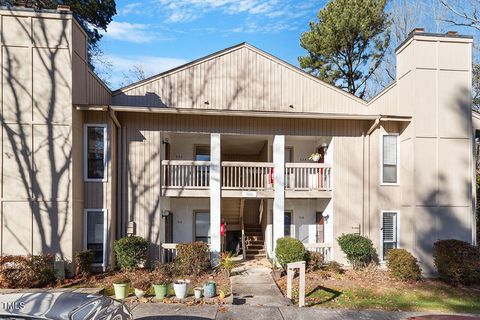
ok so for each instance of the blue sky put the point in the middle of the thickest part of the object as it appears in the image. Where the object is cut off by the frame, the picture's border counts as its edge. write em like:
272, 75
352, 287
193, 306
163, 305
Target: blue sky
158, 35
162, 34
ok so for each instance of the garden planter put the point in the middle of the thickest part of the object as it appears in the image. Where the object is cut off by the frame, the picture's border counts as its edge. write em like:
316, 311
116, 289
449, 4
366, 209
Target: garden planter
121, 290
276, 274
210, 289
198, 293
161, 291
139, 293
181, 288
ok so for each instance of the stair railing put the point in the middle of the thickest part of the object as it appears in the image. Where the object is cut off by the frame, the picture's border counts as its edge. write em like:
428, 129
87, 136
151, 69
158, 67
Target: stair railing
244, 247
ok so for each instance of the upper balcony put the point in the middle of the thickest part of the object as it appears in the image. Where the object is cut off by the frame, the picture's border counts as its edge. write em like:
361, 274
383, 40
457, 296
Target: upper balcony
246, 179
246, 167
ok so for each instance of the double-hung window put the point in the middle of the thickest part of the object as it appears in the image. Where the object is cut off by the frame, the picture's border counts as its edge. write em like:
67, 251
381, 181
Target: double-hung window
94, 237
389, 159
95, 153
389, 232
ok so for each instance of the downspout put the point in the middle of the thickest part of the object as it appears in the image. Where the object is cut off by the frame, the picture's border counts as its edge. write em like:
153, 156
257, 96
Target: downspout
363, 184
118, 187
369, 132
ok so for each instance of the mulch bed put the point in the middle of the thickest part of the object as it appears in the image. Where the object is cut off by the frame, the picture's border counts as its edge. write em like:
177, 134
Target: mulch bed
105, 280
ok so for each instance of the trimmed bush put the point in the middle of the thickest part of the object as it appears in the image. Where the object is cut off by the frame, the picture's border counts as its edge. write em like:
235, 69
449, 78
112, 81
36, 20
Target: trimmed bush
131, 252
84, 260
457, 261
314, 260
289, 250
359, 249
403, 265
192, 258
26, 271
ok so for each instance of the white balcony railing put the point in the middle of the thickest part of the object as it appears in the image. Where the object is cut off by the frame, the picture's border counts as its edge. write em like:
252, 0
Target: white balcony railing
255, 176
247, 175
324, 249
308, 176
186, 174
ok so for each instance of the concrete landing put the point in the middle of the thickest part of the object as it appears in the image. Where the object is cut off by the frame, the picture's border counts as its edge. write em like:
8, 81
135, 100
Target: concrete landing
252, 285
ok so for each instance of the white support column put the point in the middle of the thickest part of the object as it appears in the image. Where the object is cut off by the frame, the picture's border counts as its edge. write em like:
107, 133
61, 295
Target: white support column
215, 196
279, 185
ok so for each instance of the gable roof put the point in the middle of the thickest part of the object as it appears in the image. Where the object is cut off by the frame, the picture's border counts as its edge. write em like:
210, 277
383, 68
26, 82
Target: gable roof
226, 51
245, 78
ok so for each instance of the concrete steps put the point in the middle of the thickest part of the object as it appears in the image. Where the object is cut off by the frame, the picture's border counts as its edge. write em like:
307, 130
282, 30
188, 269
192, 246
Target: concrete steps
254, 242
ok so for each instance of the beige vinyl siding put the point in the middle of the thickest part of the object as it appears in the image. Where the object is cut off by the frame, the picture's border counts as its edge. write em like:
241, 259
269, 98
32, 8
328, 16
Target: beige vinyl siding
241, 125
143, 177
242, 78
102, 194
436, 183
348, 189
37, 133
77, 177
386, 102
88, 88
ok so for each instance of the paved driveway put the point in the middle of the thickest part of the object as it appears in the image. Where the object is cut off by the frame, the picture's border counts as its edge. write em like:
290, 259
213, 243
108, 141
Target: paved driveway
157, 311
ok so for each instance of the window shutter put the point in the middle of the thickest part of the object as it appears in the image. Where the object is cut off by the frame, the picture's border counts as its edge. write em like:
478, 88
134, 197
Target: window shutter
390, 150
389, 227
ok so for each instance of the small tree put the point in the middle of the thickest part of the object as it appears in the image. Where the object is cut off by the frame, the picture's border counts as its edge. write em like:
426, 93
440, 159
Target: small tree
359, 249
347, 43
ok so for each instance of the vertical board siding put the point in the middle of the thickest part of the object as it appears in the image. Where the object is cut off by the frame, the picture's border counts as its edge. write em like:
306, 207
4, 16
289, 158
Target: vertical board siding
88, 88
240, 79
244, 78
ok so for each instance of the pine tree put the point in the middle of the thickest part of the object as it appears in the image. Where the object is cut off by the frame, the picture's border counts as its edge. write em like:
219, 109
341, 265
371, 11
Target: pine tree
347, 43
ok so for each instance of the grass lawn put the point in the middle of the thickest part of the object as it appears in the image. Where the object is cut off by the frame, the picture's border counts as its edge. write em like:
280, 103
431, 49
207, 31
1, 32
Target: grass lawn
374, 289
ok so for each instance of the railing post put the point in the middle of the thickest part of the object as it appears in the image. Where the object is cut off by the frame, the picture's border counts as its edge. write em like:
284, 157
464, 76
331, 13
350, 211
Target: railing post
215, 196
279, 188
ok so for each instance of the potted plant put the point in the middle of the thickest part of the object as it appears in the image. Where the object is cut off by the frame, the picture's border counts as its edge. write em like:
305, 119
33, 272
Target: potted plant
141, 286
315, 157
226, 264
162, 278
181, 288
210, 289
121, 287
198, 292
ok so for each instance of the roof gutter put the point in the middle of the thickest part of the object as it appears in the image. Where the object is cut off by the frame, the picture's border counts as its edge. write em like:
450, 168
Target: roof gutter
241, 113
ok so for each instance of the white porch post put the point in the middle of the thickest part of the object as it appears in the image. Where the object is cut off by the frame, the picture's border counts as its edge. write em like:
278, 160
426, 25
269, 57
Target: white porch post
279, 185
215, 196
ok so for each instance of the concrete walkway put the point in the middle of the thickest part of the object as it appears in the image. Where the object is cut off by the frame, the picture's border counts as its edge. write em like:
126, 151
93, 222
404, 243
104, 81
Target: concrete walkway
253, 285
158, 311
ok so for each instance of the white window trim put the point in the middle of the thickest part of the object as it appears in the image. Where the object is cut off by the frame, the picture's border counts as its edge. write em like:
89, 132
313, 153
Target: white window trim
85, 152
381, 159
292, 223
397, 212
104, 263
